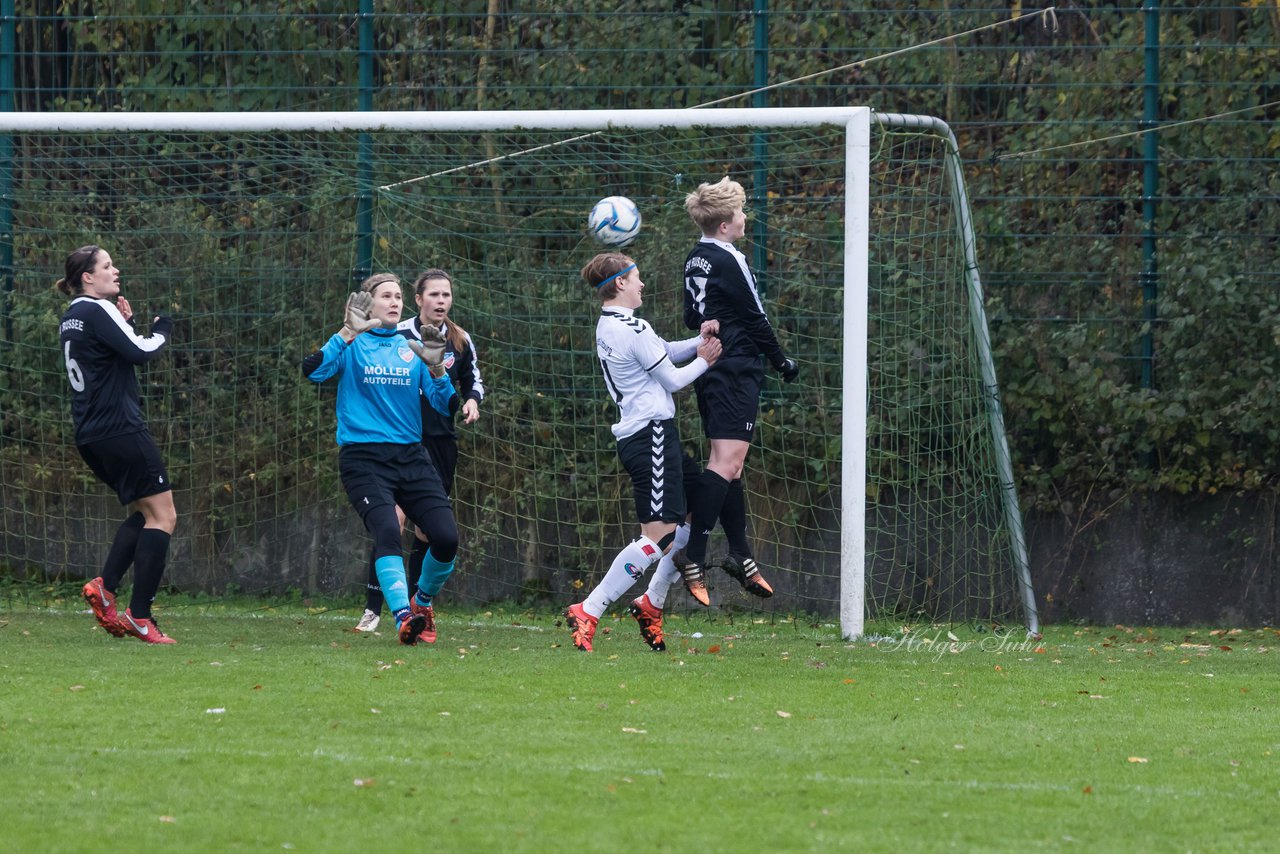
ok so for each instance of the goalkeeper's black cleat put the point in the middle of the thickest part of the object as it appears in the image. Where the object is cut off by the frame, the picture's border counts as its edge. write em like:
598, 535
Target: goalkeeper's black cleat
695, 580
745, 572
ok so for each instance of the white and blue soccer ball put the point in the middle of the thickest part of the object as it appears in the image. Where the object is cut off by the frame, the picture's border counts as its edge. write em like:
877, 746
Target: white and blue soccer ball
614, 221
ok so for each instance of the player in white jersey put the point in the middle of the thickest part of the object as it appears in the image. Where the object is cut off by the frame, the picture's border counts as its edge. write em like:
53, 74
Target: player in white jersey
641, 374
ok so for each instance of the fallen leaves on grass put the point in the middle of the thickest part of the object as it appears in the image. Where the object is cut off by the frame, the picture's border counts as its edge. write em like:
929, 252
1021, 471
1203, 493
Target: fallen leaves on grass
632, 729
783, 714
1138, 760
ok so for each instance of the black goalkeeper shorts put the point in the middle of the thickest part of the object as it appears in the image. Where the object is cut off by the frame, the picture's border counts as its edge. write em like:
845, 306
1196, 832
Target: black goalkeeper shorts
375, 474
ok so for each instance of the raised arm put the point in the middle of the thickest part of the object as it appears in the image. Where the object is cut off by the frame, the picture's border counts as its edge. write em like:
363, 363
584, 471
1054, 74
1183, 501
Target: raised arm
436, 387
118, 334
327, 361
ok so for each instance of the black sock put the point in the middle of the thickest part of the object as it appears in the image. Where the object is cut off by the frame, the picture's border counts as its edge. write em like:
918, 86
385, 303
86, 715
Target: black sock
417, 555
148, 568
706, 510
733, 519
373, 589
120, 557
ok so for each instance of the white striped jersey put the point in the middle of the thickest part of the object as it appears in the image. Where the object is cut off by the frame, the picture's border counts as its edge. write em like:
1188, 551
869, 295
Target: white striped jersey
629, 350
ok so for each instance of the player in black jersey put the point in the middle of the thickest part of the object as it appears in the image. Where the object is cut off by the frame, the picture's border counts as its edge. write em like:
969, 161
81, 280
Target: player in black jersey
100, 349
433, 292
719, 286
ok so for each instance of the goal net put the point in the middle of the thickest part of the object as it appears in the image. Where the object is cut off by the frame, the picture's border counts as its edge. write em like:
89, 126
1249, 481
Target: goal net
879, 484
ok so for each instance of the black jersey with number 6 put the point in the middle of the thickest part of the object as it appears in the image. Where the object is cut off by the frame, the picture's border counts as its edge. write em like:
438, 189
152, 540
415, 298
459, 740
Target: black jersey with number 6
100, 349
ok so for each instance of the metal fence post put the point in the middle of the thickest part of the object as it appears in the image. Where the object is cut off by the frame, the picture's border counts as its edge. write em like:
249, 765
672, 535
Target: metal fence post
364, 167
1150, 187
8, 23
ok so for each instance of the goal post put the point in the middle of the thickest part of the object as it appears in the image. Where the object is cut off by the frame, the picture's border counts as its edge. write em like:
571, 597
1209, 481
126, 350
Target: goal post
880, 488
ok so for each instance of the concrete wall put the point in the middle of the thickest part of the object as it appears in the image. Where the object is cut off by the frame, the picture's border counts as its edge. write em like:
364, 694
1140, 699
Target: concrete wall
1161, 560
1167, 560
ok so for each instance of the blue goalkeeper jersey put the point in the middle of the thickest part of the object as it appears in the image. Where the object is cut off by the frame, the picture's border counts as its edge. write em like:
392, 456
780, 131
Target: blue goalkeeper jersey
380, 383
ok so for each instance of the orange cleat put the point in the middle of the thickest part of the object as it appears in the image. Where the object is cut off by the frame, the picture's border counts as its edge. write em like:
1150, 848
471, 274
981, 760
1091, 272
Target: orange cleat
583, 626
410, 631
103, 603
427, 612
695, 580
745, 571
144, 629
650, 620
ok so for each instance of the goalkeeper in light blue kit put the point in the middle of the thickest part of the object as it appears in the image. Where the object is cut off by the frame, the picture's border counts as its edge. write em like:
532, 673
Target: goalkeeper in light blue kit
382, 377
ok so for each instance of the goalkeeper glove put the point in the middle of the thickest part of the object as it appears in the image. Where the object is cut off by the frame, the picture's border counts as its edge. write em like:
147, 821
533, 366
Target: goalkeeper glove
789, 369
430, 350
357, 317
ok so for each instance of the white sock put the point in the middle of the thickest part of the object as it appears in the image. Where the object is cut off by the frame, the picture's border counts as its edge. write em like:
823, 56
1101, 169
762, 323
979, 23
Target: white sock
631, 563
666, 574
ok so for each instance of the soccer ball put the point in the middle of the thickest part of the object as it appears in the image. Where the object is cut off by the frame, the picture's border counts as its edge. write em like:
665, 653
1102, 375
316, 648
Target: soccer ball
614, 221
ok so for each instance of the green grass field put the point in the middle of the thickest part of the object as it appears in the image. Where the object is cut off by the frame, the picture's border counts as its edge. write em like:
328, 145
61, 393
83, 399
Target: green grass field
276, 729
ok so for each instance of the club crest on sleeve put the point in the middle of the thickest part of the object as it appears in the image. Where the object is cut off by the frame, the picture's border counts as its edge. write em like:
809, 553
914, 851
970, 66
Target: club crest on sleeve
449, 359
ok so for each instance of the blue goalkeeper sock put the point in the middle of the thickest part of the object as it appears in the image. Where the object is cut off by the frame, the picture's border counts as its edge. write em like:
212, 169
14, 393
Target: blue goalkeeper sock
434, 575
390, 570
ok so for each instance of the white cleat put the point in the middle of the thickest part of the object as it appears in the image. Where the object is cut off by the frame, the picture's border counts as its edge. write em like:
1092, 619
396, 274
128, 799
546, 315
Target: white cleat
368, 622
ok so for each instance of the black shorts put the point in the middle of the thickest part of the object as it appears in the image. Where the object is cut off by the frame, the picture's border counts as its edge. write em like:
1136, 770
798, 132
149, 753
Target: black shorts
729, 397
129, 464
377, 474
654, 459
443, 451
